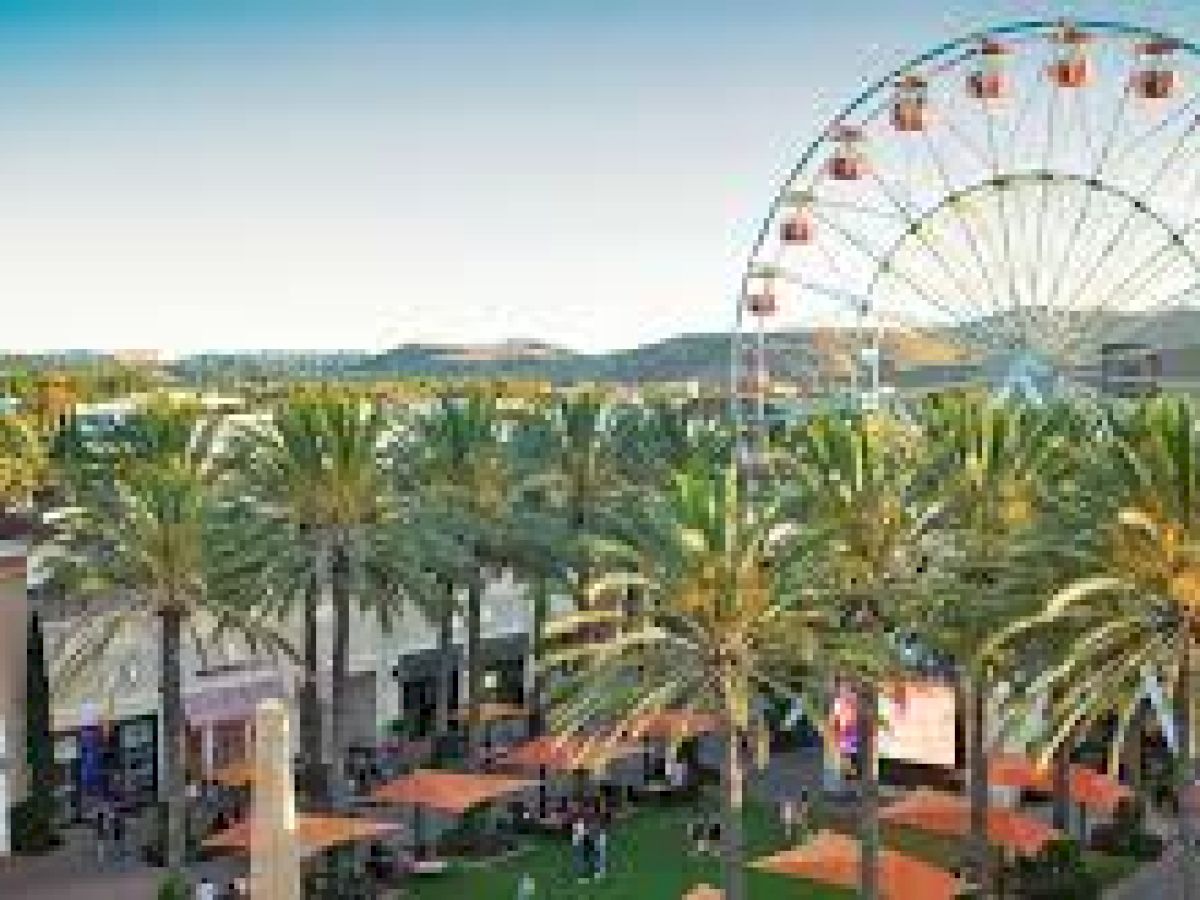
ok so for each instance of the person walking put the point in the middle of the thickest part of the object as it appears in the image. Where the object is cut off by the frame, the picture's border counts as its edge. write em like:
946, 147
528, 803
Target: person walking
600, 857
101, 837
580, 849
787, 817
206, 890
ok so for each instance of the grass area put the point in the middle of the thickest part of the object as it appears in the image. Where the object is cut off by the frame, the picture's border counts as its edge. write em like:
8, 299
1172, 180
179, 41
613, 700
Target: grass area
648, 860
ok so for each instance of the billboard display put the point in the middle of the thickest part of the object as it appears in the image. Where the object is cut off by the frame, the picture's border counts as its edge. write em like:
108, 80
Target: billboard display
917, 723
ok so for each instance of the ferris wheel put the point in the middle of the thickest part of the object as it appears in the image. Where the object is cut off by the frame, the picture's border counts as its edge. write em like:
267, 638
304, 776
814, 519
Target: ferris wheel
1005, 210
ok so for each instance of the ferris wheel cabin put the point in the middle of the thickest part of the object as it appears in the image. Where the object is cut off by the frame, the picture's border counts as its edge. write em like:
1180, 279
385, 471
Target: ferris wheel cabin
1072, 66
848, 162
1155, 77
989, 80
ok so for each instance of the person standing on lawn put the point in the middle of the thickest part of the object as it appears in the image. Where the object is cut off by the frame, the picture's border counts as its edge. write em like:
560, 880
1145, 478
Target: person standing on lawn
580, 839
600, 850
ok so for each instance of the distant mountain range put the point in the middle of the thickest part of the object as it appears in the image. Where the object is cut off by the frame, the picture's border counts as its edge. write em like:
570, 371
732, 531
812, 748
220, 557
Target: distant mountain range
700, 357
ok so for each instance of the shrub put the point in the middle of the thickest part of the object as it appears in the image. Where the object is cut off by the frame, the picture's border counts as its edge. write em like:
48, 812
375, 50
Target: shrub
1126, 835
173, 887
32, 830
1057, 873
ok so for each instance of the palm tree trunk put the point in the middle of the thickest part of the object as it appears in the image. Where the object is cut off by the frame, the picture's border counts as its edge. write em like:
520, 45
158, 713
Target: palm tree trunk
339, 581
733, 875
537, 713
474, 662
1131, 753
445, 673
1061, 814
311, 739
1186, 774
174, 736
868, 780
979, 851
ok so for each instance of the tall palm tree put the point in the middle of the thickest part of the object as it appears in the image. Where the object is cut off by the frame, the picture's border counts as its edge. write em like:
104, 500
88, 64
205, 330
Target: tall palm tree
992, 461
457, 463
1136, 614
723, 622
315, 467
157, 530
860, 485
24, 460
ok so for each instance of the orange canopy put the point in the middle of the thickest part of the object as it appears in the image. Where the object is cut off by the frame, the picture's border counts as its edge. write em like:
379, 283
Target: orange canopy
565, 754
670, 724
704, 892
314, 834
236, 775
950, 814
831, 858
451, 792
1087, 787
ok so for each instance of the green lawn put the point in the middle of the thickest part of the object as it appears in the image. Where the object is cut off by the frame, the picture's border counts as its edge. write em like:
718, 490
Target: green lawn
648, 860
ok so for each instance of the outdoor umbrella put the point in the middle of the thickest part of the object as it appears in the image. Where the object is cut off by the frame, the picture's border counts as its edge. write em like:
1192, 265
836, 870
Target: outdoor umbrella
834, 859
950, 814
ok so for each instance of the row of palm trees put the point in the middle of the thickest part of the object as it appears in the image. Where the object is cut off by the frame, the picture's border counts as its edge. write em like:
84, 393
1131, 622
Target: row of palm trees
1051, 548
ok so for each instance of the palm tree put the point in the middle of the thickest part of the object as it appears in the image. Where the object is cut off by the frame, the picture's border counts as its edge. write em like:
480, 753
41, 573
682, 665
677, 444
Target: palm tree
24, 460
723, 622
456, 463
315, 468
157, 530
992, 461
861, 486
1136, 614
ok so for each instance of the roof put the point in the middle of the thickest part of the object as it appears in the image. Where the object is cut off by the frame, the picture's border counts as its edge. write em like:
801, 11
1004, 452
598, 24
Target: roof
950, 814
1087, 787
314, 834
451, 792
670, 724
831, 858
565, 754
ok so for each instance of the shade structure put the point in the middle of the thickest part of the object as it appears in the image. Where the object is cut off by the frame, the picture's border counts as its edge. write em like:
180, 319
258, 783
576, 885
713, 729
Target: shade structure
236, 775
1086, 786
565, 754
950, 814
449, 792
314, 833
672, 724
834, 859
704, 892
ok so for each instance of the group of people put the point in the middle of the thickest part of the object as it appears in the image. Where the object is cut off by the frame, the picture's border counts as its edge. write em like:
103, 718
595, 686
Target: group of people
589, 847
207, 889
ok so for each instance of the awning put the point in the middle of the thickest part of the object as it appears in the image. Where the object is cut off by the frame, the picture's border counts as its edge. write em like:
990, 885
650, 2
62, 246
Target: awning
672, 724
565, 754
450, 792
1086, 786
835, 859
236, 699
950, 814
314, 834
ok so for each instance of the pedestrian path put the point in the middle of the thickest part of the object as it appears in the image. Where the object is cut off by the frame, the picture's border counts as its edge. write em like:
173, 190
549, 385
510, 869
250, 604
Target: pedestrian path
72, 873
1159, 881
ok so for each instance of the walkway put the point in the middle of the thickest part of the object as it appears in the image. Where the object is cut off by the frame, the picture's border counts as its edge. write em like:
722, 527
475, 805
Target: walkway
1156, 882
71, 873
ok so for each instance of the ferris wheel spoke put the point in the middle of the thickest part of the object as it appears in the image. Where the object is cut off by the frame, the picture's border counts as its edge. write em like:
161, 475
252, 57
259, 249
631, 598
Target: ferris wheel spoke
965, 227
1037, 302
1160, 127
1076, 230
916, 229
1129, 218
882, 262
859, 208
1002, 204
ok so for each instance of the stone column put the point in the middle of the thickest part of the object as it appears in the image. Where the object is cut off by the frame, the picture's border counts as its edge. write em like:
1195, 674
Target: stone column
14, 630
274, 856
208, 750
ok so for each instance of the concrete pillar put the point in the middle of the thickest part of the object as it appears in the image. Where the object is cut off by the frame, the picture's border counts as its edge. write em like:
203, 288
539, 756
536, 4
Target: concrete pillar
208, 750
14, 630
274, 856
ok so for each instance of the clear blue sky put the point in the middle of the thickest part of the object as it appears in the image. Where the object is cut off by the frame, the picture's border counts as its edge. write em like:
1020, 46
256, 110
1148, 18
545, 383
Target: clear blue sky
187, 174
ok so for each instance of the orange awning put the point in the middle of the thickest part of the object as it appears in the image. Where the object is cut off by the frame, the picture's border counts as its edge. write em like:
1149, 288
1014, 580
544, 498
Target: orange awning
831, 858
1087, 787
671, 724
314, 834
451, 792
950, 814
704, 892
565, 754
236, 775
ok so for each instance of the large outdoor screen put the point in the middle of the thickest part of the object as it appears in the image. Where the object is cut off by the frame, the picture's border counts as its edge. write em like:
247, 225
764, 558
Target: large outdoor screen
917, 723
